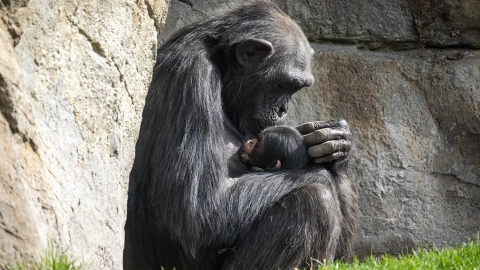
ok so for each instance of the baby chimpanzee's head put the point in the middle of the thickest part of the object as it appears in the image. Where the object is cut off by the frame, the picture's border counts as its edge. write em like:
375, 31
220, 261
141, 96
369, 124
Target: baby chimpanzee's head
278, 147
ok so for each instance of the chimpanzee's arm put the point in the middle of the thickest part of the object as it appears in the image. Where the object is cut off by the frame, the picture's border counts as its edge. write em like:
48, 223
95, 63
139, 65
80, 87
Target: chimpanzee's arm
330, 143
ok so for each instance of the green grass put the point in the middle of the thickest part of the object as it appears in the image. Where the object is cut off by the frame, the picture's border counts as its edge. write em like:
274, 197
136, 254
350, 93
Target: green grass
463, 257
54, 258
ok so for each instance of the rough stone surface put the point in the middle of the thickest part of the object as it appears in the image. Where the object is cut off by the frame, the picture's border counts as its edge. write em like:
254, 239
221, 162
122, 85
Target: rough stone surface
377, 24
73, 77
398, 24
415, 113
74, 74
415, 117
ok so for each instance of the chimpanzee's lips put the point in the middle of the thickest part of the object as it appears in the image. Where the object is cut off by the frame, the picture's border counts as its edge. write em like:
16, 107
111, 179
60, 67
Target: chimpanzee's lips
281, 108
277, 112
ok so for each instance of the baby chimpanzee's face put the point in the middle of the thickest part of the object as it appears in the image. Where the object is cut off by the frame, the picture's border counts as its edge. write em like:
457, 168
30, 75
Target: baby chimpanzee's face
251, 152
275, 148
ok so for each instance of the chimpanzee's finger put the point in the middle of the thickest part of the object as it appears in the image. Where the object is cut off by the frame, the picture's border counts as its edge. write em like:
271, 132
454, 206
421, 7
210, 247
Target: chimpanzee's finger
326, 134
314, 125
329, 147
331, 157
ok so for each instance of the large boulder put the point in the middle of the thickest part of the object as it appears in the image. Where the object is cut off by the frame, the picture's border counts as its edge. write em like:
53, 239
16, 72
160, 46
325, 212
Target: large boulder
73, 78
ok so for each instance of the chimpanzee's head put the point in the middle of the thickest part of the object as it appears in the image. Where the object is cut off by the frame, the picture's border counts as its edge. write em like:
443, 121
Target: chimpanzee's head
263, 60
275, 148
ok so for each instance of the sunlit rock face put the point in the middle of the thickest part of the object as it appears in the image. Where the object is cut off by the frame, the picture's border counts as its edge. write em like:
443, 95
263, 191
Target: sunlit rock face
74, 75
73, 78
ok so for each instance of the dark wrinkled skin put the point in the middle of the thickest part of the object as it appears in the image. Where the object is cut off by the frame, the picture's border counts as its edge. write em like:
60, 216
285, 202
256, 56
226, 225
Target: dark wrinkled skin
328, 141
192, 203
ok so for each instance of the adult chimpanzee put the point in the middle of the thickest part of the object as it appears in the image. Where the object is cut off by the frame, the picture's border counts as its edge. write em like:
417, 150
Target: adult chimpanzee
275, 148
215, 84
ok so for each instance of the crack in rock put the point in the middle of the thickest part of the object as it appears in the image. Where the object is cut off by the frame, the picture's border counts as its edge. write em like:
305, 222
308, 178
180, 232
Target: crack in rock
122, 79
96, 46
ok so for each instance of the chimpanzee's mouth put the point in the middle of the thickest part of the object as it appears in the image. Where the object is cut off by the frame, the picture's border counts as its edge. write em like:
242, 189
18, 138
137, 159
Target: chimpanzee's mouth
281, 107
276, 112
279, 111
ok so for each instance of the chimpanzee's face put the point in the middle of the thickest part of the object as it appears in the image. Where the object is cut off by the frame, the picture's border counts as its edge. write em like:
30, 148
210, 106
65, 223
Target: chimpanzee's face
267, 73
252, 152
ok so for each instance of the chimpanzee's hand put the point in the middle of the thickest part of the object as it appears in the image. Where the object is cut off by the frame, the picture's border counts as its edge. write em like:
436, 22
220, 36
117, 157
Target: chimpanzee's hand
327, 141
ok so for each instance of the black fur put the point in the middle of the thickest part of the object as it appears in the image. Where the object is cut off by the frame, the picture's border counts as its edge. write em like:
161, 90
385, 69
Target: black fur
190, 203
290, 147
280, 143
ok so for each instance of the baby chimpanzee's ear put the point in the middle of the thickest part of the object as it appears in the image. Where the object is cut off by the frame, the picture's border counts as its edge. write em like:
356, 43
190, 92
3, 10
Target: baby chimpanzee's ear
275, 167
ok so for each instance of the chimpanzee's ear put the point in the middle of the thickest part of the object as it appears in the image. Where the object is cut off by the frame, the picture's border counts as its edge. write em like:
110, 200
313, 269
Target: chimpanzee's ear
253, 51
276, 167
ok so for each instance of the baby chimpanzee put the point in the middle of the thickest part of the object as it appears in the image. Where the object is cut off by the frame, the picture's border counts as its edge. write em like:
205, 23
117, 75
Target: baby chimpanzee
274, 148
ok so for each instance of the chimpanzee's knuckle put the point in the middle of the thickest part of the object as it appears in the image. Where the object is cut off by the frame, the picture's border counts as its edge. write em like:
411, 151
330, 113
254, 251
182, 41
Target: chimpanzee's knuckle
344, 131
330, 146
326, 133
343, 123
310, 126
319, 133
339, 134
345, 145
339, 146
316, 124
349, 145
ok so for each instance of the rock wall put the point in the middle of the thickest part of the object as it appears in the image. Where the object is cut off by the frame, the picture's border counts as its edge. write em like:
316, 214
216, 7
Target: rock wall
406, 75
74, 74
417, 132
73, 77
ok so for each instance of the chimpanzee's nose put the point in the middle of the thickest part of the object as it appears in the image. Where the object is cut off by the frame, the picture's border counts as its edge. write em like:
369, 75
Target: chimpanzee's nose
297, 81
